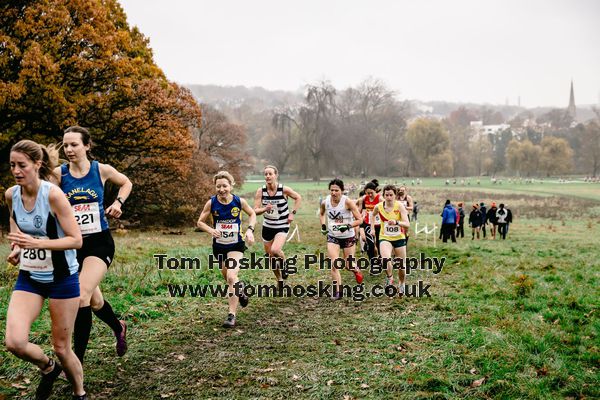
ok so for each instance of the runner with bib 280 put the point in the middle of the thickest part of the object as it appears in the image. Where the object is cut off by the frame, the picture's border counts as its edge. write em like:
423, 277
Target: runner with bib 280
228, 243
272, 201
342, 217
43, 234
394, 220
83, 181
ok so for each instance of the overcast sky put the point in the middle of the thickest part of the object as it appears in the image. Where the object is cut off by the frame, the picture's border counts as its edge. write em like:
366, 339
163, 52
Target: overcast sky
454, 50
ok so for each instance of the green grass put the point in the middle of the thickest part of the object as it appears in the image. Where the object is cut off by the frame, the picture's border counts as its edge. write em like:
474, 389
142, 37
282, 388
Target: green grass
518, 316
549, 187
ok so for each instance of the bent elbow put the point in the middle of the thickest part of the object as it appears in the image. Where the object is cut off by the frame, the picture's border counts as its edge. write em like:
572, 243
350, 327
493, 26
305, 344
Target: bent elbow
78, 242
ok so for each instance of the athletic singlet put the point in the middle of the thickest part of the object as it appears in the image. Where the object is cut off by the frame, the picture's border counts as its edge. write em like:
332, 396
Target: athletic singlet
338, 216
42, 265
369, 205
86, 195
404, 201
278, 216
227, 219
390, 232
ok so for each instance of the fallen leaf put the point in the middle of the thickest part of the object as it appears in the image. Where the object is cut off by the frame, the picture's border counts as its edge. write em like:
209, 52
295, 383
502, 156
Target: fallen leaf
17, 386
404, 361
473, 371
478, 382
337, 342
180, 357
364, 385
329, 382
27, 381
295, 377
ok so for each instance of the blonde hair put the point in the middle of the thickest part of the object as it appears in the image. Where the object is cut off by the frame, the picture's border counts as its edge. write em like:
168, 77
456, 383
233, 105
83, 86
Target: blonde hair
224, 175
36, 152
274, 168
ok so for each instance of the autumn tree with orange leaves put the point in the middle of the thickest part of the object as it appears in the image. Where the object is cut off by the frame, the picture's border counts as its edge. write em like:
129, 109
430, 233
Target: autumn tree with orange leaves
78, 62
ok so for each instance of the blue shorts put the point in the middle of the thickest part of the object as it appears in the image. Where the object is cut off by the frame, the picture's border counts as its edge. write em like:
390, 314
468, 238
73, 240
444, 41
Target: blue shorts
65, 288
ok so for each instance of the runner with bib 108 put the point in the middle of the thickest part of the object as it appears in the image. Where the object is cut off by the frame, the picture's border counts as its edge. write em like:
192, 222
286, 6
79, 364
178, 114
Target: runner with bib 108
394, 221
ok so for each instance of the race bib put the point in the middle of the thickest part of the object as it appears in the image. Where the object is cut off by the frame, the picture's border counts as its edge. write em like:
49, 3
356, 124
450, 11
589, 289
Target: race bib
36, 260
229, 233
336, 227
273, 213
377, 219
391, 230
88, 217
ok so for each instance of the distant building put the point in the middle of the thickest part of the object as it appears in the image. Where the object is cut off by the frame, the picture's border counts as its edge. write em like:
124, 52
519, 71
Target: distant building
495, 129
480, 128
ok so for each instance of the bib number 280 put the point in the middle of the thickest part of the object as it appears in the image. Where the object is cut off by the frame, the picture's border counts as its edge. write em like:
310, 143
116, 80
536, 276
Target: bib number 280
37, 260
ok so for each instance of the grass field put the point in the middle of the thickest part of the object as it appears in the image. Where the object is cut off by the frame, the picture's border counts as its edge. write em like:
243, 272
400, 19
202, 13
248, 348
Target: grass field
507, 319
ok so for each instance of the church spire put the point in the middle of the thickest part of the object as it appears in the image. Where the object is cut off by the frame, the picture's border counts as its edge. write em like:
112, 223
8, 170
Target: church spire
571, 110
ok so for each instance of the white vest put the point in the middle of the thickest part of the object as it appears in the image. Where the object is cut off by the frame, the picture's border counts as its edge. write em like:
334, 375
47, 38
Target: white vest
338, 216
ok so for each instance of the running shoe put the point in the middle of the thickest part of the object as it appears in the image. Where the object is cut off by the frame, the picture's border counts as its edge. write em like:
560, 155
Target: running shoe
44, 389
122, 340
82, 397
243, 298
389, 281
230, 321
336, 296
284, 271
359, 276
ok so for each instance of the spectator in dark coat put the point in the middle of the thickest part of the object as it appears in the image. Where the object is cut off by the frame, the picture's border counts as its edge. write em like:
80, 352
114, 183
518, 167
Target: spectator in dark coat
475, 221
460, 231
491, 218
483, 212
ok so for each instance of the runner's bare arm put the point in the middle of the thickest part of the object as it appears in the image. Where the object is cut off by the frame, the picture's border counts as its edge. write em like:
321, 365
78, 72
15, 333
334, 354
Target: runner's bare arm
13, 257
287, 191
204, 218
110, 174
258, 209
358, 220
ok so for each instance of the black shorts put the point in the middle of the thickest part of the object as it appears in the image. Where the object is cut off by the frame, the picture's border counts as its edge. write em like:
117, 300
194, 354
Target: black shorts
268, 234
220, 252
395, 243
99, 245
343, 243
